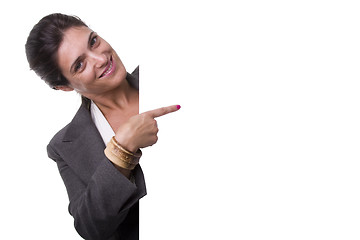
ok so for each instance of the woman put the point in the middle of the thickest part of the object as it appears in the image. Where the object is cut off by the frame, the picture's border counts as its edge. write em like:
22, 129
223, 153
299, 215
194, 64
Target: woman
104, 187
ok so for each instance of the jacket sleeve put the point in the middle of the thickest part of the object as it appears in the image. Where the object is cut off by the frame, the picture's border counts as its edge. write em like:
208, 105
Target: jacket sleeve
100, 205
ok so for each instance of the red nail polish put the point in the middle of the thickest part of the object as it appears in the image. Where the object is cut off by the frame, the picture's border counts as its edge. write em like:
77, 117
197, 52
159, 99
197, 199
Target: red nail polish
178, 106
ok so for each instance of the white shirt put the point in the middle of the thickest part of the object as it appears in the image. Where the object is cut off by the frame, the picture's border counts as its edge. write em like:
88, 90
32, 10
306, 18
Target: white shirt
101, 123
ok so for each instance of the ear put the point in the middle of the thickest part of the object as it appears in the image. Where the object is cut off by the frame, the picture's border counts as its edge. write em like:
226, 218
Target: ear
64, 88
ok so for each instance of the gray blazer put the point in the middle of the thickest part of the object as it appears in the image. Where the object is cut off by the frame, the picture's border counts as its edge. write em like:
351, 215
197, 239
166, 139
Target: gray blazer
103, 202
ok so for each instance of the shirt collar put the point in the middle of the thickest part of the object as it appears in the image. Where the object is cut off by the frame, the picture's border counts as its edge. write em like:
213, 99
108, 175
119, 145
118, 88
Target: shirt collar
101, 123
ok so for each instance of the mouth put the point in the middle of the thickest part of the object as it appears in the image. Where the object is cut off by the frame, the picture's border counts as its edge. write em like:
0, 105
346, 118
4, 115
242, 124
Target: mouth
110, 68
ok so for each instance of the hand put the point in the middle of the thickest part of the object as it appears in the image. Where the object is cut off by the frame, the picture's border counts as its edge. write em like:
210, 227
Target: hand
141, 130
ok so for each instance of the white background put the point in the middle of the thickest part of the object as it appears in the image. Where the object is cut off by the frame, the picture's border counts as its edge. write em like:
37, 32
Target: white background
266, 145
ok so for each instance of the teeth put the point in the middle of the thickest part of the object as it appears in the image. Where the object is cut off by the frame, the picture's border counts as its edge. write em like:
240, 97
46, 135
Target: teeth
108, 70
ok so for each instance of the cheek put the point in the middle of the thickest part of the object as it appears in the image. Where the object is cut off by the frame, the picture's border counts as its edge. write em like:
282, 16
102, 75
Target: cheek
88, 75
83, 80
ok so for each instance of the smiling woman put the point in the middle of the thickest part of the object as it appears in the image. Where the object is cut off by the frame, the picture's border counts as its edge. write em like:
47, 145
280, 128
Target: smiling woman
98, 152
89, 63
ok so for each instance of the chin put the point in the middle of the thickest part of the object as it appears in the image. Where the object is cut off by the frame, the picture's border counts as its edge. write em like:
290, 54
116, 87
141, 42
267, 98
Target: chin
119, 77
120, 68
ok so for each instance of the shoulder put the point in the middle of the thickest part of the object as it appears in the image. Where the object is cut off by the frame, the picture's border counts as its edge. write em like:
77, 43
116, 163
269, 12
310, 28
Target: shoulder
60, 135
133, 78
71, 131
55, 142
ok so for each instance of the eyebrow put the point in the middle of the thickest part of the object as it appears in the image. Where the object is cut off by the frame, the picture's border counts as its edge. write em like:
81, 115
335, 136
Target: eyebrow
78, 58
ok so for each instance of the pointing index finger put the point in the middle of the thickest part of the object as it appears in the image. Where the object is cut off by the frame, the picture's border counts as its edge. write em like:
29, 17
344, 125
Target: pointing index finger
163, 111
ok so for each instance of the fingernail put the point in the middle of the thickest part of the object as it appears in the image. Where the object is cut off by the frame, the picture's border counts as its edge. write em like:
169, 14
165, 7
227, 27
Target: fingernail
178, 106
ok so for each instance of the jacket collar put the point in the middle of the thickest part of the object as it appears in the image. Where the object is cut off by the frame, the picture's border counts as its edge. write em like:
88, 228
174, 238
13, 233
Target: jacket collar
82, 144
80, 124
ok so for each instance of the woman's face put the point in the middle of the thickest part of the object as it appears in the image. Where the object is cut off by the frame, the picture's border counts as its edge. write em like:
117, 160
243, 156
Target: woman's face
89, 63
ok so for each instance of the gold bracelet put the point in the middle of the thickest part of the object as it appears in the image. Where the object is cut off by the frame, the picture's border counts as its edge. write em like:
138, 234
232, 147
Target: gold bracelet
115, 160
120, 156
135, 155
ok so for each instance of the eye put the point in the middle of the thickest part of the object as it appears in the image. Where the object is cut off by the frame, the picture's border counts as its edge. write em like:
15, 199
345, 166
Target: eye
93, 41
78, 66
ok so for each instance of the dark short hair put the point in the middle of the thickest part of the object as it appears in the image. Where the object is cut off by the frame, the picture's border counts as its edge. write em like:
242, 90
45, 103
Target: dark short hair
43, 43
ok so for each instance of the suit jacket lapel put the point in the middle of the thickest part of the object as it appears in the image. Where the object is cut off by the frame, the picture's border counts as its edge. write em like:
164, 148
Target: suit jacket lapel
82, 144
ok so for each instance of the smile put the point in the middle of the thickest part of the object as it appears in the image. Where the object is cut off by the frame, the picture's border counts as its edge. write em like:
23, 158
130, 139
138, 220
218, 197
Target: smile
110, 68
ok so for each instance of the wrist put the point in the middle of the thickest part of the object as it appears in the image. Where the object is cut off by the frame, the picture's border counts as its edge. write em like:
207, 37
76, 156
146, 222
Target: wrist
127, 144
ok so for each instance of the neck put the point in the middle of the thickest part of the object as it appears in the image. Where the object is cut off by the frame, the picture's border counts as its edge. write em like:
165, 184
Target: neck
117, 99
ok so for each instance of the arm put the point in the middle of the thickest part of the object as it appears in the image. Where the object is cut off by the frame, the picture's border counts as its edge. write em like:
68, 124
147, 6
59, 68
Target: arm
100, 205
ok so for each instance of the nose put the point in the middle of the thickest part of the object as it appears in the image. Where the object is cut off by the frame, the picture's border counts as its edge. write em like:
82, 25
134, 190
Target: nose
99, 60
